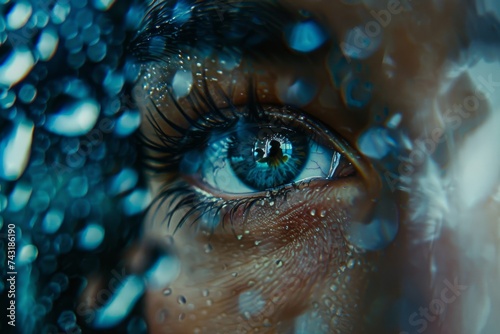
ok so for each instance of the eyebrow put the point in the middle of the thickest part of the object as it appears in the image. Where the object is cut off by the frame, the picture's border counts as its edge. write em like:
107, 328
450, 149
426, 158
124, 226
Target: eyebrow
254, 28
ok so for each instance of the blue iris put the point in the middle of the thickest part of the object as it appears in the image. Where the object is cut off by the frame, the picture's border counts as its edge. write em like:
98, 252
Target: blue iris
264, 158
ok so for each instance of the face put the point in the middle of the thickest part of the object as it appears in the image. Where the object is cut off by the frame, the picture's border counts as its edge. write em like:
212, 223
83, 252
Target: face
278, 160
271, 166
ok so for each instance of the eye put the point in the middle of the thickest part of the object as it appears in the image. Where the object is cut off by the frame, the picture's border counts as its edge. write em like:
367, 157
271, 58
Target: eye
252, 155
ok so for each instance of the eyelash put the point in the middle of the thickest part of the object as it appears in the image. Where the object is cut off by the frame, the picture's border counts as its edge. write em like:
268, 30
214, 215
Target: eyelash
171, 149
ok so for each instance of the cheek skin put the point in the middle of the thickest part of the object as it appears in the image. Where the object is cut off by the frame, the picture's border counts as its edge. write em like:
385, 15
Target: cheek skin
278, 261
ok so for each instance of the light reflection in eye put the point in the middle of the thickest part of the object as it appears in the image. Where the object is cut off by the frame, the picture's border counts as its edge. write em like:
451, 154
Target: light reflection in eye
252, 157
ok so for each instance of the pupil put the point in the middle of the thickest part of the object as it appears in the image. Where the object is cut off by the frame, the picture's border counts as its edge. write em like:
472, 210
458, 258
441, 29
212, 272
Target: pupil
264, 162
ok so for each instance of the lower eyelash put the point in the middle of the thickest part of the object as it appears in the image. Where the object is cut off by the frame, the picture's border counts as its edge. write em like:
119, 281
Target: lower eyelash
199, 205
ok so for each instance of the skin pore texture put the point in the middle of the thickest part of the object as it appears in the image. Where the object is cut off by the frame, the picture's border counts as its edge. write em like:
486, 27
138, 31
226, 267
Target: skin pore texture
287, 264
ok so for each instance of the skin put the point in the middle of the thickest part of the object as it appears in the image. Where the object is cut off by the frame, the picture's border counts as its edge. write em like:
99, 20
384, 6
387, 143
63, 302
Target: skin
278, 268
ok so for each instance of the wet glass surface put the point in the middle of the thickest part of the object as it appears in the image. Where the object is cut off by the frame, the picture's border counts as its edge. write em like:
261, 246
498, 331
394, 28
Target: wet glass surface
226, 166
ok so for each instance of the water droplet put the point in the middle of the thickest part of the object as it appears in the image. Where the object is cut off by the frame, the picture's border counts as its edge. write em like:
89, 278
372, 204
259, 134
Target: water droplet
306, 36
234, 274
136, 202
300, 92
74, 119
15, 150
182, 83
351, 263
91, 237
137, 325
78, 186
121, 303
127, 123
66, 320
123, 181
181, 300
181, 13
18, 15
355, 92
208, 248
257, 242
375, 143
167, 292
209, 302
96, 52
27, 254
19, 196
47, 44
360, 42
63, 243
378, 233
250, 302
334, 288
52, 221
239, 237
205, 292
16, 66
279, 263
322, 214
164, 271
313, 212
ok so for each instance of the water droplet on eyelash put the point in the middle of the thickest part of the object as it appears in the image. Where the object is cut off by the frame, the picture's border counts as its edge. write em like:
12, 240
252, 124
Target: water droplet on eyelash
167, 292
351, 263
257, 242
279, 263
181, 300
205, 293
208, 248
334, 288
277, 212
313, 212
239, 236
247, 232
271, 203
322, 214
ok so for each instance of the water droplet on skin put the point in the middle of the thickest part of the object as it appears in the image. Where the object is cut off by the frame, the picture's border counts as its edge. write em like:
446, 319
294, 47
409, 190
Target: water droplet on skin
279, 263
234, 274
208, 248
167, 292
271, 203
351, 263
313, 212
209, 302
322, 214
205, 293
306, 36
181, 300
239, 237
182, 316
257, 242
